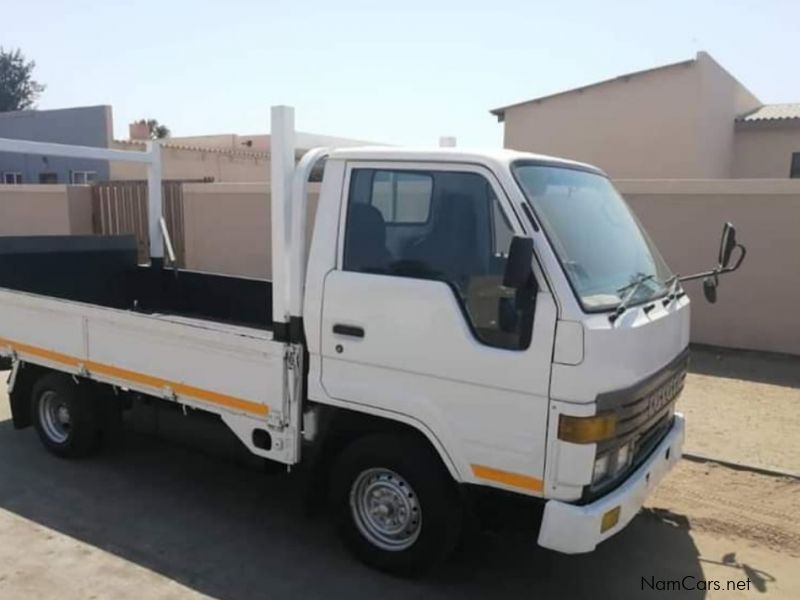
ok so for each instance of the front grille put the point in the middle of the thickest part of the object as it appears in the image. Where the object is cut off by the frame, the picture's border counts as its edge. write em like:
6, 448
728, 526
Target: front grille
644, 415
641, 419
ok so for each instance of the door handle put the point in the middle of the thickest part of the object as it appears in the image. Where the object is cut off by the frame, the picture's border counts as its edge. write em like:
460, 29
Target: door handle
351, 330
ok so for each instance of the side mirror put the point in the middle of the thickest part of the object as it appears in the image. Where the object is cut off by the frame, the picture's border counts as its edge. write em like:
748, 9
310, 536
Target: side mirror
726, 245
710, 278
710, 289
518, 265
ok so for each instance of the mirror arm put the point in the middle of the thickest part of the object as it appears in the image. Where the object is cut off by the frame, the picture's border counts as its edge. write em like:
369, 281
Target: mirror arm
720, 270
702, 275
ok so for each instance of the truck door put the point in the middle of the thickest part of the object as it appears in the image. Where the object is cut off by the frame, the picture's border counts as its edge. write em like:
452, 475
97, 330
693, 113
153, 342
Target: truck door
415, 320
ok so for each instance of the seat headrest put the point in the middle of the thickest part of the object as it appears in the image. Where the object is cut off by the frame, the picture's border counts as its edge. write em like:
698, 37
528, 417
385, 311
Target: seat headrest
365, 242
368, 221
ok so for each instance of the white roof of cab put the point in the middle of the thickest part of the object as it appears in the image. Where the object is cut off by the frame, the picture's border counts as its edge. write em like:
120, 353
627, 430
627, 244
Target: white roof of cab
498, 157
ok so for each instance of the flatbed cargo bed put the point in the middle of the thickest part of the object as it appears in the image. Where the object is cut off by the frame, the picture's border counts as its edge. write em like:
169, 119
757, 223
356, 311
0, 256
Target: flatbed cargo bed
81, 305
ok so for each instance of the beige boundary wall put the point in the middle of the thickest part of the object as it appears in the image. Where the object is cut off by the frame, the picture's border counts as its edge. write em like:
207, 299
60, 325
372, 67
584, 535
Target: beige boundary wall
757, 306
45, 210
228, 227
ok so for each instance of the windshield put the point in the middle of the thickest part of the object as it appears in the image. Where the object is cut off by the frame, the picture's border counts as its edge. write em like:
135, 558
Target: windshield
600, 244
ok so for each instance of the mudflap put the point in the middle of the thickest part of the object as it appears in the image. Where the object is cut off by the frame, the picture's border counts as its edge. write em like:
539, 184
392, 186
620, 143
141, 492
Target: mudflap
20, 385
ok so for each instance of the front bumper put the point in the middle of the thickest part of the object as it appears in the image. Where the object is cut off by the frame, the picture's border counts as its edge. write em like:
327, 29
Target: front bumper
574, 529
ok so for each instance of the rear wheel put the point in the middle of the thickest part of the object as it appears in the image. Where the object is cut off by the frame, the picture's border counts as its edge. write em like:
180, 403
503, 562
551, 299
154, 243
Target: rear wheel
398, 509
64, 416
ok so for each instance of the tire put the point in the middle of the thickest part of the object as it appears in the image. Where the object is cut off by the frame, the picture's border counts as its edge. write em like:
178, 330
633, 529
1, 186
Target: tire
64, 416
398, 509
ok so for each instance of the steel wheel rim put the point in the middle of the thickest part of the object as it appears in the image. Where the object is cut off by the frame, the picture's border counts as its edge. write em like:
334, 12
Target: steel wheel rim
386, 509
55, 417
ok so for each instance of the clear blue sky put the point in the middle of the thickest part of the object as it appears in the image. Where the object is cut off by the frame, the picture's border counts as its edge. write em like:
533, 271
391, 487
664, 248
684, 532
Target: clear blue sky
401, 72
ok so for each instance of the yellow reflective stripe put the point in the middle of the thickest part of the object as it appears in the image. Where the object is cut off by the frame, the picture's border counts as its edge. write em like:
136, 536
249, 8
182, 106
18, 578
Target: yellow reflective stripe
142, 378
518, 480
40, 352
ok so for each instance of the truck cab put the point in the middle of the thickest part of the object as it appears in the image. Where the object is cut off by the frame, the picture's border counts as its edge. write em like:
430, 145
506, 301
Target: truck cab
534, 384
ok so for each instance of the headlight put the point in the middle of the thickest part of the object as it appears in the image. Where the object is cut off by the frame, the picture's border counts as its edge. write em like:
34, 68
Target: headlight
612, 462
623, 457
601, 465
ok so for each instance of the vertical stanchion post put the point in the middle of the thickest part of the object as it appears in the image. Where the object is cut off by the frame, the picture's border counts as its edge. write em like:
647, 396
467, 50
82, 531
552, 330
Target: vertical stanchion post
154, 204
282, 140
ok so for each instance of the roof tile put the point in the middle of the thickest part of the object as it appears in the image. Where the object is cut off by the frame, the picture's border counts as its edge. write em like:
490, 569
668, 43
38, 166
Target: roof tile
772, 112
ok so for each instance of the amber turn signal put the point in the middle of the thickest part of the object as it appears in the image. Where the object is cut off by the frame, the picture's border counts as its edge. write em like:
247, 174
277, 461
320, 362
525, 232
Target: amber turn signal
585, 430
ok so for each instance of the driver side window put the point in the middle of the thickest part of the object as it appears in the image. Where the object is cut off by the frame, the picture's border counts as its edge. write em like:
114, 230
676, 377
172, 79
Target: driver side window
445, 226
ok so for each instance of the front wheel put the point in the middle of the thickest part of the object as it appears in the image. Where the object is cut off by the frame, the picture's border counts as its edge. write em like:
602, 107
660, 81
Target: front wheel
399, 511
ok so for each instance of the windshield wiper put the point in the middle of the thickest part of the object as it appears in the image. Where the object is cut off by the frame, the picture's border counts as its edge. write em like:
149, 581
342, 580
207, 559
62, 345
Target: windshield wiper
674, 283
633, 287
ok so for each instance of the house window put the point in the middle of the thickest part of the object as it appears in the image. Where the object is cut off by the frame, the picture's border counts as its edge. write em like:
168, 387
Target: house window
795, 171
48, 177
12, 177
83, 177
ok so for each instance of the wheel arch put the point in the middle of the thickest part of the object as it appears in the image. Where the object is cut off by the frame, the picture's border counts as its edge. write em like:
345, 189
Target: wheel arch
340, 426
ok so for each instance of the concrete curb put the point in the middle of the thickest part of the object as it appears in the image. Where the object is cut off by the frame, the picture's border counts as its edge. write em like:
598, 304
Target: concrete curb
700, 458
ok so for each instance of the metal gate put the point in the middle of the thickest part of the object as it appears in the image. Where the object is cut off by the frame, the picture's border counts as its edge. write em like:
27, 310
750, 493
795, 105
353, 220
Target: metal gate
120, 207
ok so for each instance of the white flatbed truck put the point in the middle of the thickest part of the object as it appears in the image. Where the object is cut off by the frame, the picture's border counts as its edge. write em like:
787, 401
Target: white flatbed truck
462, 321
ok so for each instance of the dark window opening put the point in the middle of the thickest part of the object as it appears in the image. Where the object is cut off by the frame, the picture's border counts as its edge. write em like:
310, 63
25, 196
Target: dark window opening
48, 177
83, 177
794, 173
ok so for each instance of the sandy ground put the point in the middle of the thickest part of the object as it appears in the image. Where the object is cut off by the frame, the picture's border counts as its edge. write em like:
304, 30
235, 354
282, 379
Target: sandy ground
744, 407
736, 504
159, 519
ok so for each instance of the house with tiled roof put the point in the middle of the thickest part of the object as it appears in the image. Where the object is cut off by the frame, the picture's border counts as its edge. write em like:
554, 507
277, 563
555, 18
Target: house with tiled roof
685, 120
767, 142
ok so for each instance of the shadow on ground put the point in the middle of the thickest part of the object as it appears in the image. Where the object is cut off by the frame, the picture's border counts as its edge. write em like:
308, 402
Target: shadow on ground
212, 522
761, 367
